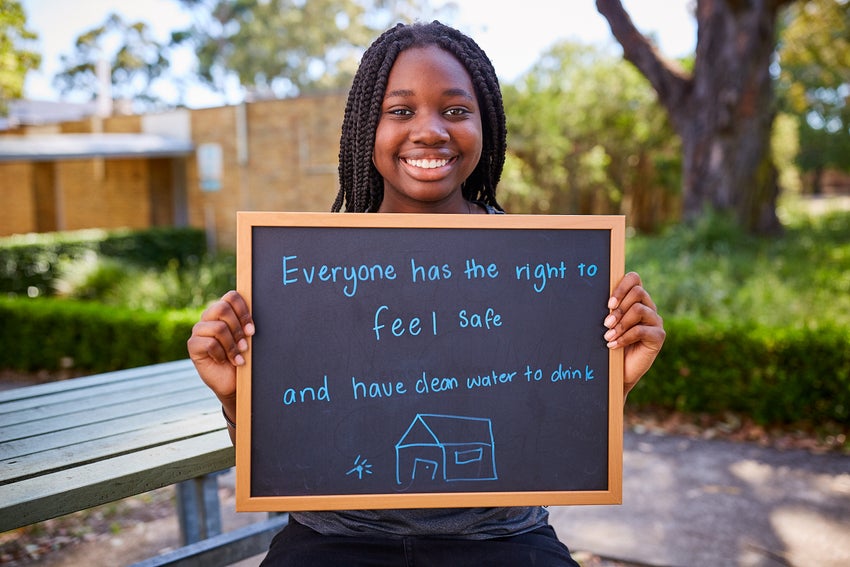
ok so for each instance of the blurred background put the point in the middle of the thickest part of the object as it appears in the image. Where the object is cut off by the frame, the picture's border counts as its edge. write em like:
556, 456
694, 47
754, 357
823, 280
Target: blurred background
131, 133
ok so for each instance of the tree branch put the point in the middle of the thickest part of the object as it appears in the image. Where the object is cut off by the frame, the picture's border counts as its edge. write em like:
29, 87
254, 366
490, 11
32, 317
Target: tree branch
667, 78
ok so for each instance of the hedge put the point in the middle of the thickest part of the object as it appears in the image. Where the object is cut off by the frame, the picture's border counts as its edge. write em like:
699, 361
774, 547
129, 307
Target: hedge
32, 262
774, 375
48, 334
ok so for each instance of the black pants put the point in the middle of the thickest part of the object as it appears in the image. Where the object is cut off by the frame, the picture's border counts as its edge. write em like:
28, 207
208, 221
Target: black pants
299, 546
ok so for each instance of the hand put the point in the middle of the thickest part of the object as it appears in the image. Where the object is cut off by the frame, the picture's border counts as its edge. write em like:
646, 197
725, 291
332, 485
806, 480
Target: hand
634, 324
217, 344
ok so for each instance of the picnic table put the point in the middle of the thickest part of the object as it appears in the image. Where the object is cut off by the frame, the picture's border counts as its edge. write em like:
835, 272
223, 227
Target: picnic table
75, 444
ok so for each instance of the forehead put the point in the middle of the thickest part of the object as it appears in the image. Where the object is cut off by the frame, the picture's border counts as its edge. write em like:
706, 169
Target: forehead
429, 65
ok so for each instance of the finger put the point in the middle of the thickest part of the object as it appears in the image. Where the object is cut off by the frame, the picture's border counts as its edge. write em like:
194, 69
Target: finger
629, 281
635, 296
649, 331
234, 314
638, 315
207, 348
241, 311
214, 339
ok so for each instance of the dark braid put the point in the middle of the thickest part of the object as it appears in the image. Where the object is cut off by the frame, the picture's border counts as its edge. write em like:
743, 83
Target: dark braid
361, 187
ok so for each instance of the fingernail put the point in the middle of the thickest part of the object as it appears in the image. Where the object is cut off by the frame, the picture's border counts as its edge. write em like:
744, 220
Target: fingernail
612, 303
612, 344
243, 345
249, 329
239, 360
609, 321
609, 335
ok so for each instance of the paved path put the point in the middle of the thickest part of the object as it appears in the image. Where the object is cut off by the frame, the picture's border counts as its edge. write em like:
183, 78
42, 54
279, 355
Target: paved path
691, 503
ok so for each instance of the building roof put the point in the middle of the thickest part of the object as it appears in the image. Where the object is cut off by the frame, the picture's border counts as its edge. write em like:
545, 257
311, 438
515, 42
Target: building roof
55, 147
37, 112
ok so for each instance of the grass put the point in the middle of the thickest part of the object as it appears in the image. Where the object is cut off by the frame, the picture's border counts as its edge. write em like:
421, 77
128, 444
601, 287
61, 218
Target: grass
714, 271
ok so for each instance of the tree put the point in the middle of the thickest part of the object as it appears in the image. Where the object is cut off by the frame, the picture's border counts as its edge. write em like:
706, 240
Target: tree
15, 59
282, 48
576, 152
133, 58
814, 83
723, 110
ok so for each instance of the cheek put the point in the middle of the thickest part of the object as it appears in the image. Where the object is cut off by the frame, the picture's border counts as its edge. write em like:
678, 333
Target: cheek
382, 151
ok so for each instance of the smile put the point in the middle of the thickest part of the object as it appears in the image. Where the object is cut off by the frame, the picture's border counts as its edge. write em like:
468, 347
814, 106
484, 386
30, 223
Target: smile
427, 163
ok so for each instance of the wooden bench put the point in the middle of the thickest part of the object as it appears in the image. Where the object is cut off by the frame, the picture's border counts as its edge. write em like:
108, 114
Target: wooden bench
75, 444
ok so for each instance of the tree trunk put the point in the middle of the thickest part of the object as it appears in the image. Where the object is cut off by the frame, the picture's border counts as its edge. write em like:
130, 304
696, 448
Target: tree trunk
723, 111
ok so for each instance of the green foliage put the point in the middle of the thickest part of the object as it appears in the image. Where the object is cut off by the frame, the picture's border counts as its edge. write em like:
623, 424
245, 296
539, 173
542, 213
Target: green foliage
49, 334
136, 60
813, 82
575, 150
280, 48
187, 285
755, 326
715, 271
15, 59
774, 375
33, 264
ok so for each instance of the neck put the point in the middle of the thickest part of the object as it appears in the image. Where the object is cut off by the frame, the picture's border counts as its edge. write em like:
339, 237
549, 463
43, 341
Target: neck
456, 206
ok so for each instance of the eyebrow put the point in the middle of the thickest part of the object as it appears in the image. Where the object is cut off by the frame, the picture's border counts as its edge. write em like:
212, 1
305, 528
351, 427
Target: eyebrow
448, 92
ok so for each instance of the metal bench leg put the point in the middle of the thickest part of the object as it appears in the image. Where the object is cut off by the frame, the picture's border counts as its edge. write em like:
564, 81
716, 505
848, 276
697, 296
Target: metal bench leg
198, 508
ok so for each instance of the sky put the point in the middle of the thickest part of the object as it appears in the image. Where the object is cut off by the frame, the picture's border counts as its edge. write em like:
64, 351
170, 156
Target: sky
513, 38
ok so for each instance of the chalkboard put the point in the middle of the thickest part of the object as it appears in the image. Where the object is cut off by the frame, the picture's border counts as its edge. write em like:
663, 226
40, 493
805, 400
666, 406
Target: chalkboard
422, 361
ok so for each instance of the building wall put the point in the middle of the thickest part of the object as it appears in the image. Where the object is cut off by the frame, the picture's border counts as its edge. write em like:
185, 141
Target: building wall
278, 155
103, 193
17, 211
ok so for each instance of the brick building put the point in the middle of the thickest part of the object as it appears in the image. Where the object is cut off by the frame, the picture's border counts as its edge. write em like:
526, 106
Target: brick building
185, 167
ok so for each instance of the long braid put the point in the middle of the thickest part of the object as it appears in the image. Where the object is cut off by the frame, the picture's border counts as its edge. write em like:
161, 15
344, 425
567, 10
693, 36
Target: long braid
361, 186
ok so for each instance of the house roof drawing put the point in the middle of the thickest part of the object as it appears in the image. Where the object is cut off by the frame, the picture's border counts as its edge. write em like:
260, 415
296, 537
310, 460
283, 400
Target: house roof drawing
432, 429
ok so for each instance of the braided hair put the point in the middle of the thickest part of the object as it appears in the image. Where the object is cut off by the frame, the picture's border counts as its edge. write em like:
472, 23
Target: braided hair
361, 186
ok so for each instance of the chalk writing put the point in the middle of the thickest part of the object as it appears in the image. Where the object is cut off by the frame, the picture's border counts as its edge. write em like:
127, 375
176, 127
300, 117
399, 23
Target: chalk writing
348, 275
409, 361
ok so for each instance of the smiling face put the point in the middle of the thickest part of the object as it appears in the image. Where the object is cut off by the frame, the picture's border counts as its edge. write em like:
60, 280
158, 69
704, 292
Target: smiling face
429, 136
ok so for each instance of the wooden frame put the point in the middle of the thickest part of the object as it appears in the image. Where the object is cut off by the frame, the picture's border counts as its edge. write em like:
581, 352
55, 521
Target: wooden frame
247, 500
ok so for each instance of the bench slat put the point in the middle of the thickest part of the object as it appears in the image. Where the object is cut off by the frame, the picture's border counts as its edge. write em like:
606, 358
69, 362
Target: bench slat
96, 399
37, 499
61, 458
152, 404
117, 376
123, 424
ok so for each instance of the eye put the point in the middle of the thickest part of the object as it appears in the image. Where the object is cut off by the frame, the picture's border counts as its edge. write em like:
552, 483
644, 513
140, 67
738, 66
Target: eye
399, 112
457, 111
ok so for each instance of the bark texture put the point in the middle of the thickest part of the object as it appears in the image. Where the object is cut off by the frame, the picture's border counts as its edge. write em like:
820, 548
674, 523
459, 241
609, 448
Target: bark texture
723, 111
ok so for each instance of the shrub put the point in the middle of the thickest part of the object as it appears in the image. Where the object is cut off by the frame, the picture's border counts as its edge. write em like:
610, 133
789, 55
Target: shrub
774, 375
31, 264
93, 337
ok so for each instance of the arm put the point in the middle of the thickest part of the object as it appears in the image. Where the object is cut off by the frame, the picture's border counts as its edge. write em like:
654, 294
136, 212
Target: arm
634, 324
216, 346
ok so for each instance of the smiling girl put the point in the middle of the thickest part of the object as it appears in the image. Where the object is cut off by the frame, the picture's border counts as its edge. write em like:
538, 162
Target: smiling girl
424, 132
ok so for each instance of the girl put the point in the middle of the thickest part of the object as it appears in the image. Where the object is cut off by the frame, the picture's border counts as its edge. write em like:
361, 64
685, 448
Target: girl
424, 132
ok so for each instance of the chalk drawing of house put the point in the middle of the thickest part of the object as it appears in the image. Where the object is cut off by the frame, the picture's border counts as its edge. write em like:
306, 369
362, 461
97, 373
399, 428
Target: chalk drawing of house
446, 448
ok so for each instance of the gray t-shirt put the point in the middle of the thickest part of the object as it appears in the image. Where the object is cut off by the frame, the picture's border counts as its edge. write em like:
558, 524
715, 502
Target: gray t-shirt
465, 523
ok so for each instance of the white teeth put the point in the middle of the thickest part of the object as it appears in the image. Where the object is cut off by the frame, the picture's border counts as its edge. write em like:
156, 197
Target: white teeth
427, 163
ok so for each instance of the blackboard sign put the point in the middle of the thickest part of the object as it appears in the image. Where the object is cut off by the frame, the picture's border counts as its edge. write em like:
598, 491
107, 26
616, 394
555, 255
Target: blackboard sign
428, 360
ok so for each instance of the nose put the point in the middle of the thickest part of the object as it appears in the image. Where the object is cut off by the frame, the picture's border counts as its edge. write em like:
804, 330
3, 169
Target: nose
429, 128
